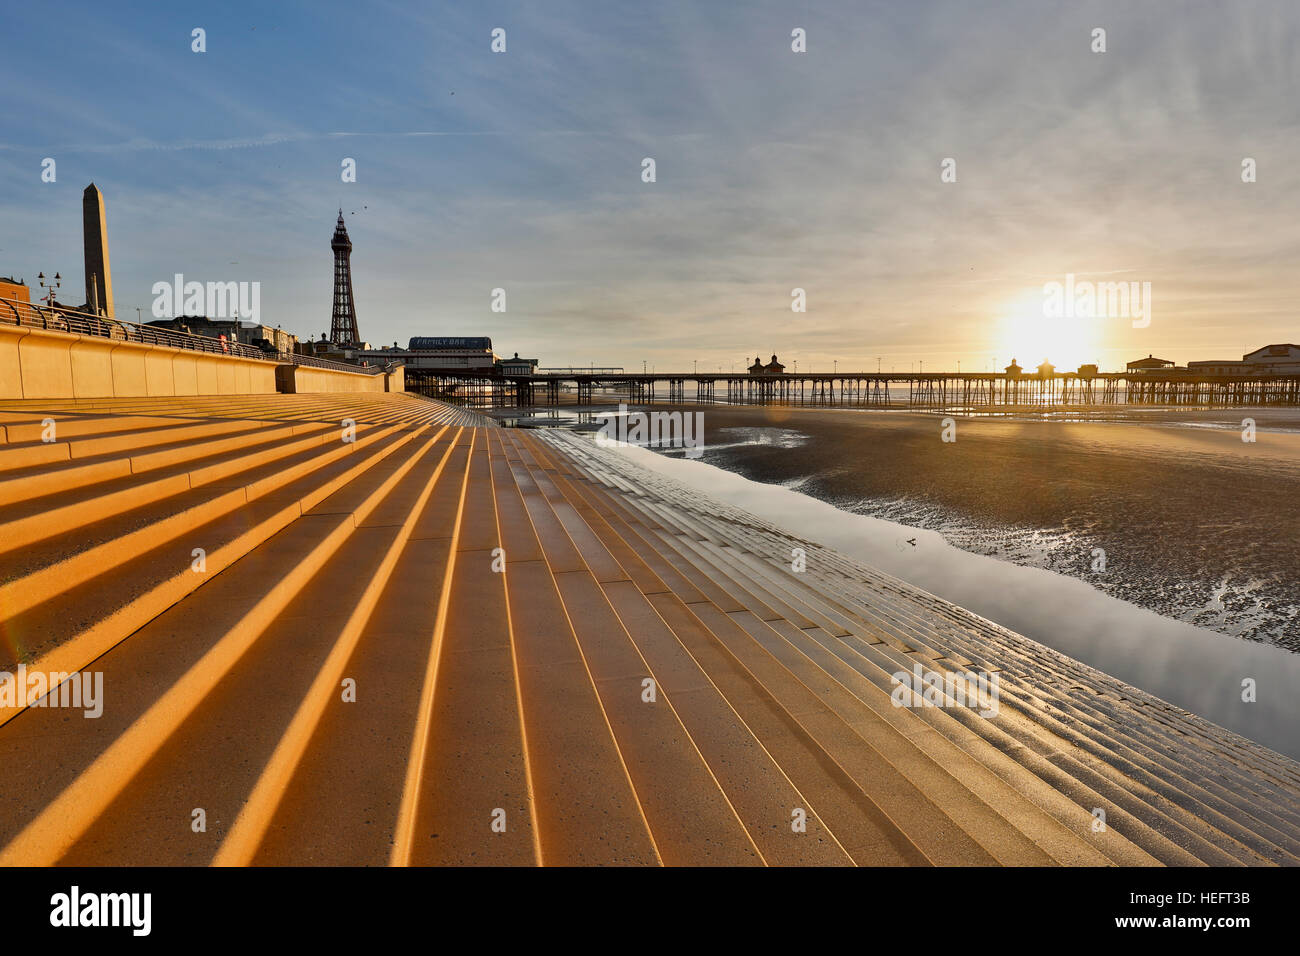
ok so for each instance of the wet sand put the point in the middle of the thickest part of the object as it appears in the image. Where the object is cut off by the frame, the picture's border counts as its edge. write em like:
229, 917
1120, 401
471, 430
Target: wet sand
1195, 523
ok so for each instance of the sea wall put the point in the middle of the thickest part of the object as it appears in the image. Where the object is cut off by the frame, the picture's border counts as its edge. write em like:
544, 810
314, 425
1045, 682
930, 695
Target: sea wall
37, 363
297, 379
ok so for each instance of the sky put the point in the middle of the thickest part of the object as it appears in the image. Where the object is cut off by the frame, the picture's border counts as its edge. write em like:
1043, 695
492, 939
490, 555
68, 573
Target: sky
775, 170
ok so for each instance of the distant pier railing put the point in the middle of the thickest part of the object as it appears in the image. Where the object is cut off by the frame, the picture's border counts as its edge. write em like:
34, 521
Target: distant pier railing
929, 390
589, 370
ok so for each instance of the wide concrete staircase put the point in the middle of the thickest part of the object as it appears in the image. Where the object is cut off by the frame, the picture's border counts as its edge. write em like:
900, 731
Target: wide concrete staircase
345, 629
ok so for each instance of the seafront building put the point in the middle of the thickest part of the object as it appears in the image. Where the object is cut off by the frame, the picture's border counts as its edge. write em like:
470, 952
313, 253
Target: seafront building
516, 365
15, 290
439, 352
771, 368
1283, 359
1150, 364
273, 339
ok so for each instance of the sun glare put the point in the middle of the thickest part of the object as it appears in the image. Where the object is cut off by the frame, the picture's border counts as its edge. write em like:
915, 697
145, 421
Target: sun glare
1029, 335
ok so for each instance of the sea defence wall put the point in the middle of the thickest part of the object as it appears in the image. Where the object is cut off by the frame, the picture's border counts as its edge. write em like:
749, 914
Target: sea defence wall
301, 379
39, 363
36, 363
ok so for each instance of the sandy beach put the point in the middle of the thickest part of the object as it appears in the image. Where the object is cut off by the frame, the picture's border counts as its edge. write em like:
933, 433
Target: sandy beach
1195, 523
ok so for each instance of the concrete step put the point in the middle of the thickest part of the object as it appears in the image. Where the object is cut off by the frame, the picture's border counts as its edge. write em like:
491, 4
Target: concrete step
258, 468
1208, 849
77, 623
196, 462
19, 426
758, 788
330, 796
722, 628
252, 724
1107, 735
1180, 808
687, 812
469, 764
162, 677
576, 651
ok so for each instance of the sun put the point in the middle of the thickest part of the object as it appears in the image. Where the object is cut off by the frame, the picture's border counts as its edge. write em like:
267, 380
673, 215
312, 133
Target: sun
1028, 334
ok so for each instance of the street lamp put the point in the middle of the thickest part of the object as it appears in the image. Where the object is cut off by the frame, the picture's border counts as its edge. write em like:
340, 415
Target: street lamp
55, 283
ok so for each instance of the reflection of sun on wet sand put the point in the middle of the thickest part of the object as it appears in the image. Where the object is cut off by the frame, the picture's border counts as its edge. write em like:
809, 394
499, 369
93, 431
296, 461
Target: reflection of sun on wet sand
1193, 522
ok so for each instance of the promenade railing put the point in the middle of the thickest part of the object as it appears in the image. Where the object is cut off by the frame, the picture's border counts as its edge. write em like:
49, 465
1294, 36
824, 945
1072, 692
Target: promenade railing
59, 319
311, 361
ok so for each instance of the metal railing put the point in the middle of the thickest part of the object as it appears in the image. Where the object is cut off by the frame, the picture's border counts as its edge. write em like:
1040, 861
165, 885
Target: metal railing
58, 319
585, 370
311, 361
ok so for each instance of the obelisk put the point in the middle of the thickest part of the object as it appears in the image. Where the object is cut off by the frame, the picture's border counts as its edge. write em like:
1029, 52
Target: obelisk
94, 231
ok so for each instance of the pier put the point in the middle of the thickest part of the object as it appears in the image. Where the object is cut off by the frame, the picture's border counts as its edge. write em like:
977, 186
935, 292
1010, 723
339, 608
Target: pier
919, 390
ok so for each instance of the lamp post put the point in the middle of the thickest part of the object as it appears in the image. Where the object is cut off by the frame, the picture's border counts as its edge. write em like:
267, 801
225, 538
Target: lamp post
50, 289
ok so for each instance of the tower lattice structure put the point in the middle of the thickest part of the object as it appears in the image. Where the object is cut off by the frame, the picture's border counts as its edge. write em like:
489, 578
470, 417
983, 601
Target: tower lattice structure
343, 319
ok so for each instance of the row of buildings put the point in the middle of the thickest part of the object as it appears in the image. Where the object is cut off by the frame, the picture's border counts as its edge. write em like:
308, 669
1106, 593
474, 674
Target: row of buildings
1283, 359
429, 353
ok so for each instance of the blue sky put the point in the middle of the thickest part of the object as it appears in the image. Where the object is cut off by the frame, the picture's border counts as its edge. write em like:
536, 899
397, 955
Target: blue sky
775, 170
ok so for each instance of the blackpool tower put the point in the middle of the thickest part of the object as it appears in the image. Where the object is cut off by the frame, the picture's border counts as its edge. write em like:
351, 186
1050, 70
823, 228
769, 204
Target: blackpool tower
343, 320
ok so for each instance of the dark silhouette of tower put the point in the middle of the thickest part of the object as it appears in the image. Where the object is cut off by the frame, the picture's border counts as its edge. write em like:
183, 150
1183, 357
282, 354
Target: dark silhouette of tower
343, 320
94, 233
